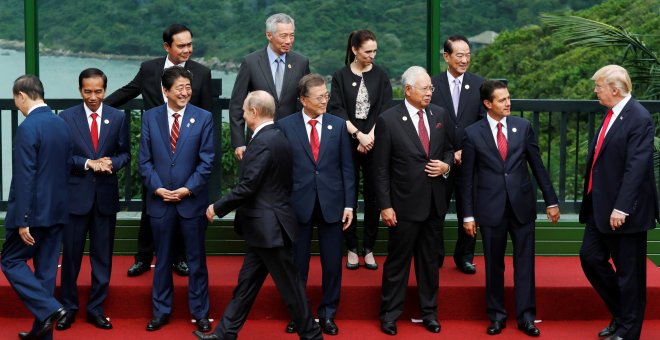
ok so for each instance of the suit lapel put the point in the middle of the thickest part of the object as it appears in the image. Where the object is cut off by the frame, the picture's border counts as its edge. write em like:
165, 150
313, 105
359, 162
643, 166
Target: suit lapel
487, 136
434, 131
463, 98
163, 126
445, 95
409, 128
327, 131
288, 70
616, 126
264, 65
105, 127
186, 124
83, 128
301, 131
158, 73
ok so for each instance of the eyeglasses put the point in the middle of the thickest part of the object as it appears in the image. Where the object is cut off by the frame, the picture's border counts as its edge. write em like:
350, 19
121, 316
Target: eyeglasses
425, 89
320, 99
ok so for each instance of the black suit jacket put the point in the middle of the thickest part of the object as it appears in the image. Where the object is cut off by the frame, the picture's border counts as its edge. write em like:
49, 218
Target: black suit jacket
487, 181
147, 82
255, 74
623, 176
400, 159
263, 194
345, 86
470, 108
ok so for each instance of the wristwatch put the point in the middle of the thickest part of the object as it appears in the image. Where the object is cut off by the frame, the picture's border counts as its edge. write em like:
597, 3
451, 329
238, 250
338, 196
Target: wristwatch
355, 134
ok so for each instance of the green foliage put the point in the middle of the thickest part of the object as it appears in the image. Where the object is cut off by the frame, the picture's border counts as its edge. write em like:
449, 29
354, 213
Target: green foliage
135, 178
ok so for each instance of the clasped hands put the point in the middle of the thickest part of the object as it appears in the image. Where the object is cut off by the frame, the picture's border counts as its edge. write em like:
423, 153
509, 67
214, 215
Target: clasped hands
366, 142
100, 165
173, 195
435, 168
552, 213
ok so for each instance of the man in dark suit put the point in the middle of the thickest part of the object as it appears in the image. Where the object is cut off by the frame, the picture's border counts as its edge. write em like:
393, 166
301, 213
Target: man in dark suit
324, 194
497, 152
178, 43
620, 204
175, 159
267, 221
457, 91
274, 69
101, 148
412, 160
37, 208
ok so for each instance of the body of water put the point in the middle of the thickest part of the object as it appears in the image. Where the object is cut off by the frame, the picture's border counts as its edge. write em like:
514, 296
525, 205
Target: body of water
60, 74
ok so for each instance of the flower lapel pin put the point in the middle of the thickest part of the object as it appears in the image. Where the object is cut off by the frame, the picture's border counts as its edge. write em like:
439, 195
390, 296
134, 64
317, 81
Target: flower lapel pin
404, 118
191, 121
106, 122
514, 130
467, 87
329, 127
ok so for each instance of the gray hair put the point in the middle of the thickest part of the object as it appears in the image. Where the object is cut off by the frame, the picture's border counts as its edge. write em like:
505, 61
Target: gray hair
279, 18
263, 102
615, 76
411, 74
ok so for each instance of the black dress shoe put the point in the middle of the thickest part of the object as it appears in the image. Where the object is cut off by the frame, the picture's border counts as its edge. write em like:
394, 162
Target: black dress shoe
180, 267
496, 327
328, 326
529, 328
388, 327
99, 321
467, 268
609, 330
156, 323
204, 325
291, 327
432, 326
66, 321
203, 336
614, 337
138, 268
48, 324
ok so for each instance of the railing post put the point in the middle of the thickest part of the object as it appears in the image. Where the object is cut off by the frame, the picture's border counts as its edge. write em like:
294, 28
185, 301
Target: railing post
31, 38
433, 37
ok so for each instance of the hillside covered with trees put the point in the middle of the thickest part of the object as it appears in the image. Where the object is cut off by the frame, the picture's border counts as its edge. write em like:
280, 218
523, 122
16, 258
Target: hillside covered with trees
226, 30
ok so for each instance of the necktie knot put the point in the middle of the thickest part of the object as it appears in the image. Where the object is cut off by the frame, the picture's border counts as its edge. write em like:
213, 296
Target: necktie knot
176, 116
421, 114
94, 115
313, 122
457, 81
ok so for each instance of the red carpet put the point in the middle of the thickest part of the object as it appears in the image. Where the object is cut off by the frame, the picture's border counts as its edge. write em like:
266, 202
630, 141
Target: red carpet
562, 294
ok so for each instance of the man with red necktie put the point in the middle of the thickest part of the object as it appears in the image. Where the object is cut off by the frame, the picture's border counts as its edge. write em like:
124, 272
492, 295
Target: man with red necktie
620, 204
497, 152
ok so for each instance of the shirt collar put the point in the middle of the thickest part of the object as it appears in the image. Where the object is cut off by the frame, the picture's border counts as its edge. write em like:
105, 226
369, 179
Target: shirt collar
272, 56
170, 112
261, 126
35, 107
493, 123
306, 118
616, 109
451, 78
169, 64
412, 111
88, 112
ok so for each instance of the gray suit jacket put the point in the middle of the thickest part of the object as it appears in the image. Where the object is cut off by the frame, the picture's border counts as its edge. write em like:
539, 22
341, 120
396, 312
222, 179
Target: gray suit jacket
255, 74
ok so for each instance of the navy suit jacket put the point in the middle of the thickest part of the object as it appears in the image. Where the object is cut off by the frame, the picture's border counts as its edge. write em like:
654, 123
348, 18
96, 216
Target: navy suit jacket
400, 159
623, 173
332, 179
262, 197
41, 159
487, 180
147, 82
190, 166
470, 108
255, 74
86, 186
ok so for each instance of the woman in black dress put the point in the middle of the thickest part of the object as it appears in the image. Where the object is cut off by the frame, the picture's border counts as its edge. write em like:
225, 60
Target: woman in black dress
360, 92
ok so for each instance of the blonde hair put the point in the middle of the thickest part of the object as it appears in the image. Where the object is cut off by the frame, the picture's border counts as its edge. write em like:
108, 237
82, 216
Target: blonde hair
615, 76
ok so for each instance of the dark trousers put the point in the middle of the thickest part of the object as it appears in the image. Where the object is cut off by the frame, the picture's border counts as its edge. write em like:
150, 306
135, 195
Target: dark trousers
416, 240
101, 229
258, 263
145, 239
330, 238
464, 250
494, 242
363, 166
194, 231
36, 288
622, 287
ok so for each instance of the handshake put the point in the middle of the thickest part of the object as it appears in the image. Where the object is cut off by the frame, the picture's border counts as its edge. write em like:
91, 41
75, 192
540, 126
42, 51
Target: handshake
100, 165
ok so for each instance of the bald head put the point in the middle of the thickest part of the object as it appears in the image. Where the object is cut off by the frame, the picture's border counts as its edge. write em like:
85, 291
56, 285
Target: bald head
258, 107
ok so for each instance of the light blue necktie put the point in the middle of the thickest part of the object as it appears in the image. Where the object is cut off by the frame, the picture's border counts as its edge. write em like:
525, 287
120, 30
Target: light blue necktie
455, 95
279, 75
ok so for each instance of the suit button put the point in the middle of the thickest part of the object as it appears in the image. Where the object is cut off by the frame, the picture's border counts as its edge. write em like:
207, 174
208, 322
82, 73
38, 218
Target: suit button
172, 164
505, 174
316, 172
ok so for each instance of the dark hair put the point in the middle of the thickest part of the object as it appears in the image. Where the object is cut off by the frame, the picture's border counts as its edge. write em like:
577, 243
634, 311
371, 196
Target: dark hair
173, 29
92, 73
30, 85
449, 42
488, 87
309, 81
173, 73
356, 39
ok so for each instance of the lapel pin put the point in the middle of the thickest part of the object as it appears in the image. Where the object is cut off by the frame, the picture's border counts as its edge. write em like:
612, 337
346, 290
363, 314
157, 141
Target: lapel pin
106, 122
620, 117
289, 66
405, 118
188, 125
192, 120
467, 87
514, 130
430, 112
354, 84
438, 125
329, 127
